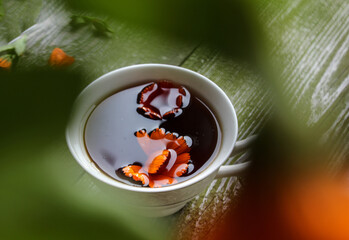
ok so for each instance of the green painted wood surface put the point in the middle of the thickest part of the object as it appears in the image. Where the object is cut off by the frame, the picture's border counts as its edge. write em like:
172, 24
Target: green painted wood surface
310, 41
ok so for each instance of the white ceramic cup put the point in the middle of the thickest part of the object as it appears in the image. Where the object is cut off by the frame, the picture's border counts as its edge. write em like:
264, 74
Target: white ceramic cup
166, 200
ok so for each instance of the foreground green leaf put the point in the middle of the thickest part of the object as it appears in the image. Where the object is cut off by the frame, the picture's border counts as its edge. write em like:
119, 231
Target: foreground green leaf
12, 51
1, 10
97, 25
20, 45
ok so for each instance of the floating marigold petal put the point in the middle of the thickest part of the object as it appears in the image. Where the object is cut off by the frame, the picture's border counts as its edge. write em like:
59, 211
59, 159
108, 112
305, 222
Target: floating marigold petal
161, 180
141, 133
158, 133
155, 165
5, 64
129, 171
183, 158
59, 58
170, 136
178, 170
142, 177
172, 145
180, 146
134, 172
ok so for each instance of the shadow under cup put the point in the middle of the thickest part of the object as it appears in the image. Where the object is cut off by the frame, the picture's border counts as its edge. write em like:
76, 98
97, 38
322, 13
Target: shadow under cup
152, 201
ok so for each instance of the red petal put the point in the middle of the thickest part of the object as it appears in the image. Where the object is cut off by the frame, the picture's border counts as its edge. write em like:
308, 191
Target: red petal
146, 89
182, 91
179, 101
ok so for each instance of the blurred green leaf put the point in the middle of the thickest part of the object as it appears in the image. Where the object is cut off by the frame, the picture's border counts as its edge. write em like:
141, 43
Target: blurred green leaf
231, 25
39, 99
7, 48
1, 10
78, 21
14, 50
20, 45
99, 26
35, 105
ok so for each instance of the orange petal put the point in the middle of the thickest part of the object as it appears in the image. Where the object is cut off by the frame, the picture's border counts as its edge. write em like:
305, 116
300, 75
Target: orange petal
158, 133
5, 64
133, 171
181, 146
59, 58
178, 170
142, 177
155, 165
170, 136
172, 145
141, 133
160, 180
183, 158
129, 171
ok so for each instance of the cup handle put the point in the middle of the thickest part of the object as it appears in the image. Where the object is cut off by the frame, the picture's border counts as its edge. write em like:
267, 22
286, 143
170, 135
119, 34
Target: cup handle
240, 168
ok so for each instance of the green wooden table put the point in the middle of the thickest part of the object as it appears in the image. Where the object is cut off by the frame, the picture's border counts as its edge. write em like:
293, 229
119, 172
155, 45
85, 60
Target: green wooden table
311, 43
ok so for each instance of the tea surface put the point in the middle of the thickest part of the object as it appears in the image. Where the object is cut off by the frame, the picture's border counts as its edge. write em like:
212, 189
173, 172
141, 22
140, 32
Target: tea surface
111, 141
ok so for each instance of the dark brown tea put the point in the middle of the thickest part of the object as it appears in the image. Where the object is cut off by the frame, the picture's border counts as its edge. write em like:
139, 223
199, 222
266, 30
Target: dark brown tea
154, 134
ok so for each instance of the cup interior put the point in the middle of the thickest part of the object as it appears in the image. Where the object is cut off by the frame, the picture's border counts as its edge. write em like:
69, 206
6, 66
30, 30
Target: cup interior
126, 77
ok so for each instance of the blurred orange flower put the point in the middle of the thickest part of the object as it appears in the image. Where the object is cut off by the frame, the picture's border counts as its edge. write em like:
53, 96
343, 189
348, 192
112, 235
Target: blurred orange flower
5, 64
59, 58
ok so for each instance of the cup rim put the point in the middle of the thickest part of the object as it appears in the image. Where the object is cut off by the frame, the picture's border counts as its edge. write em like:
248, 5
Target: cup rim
195, 179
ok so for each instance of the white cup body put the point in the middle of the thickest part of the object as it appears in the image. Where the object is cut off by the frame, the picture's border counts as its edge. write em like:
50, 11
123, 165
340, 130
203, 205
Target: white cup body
152, 201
